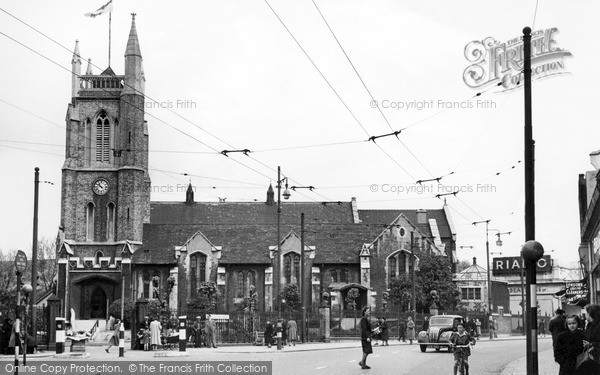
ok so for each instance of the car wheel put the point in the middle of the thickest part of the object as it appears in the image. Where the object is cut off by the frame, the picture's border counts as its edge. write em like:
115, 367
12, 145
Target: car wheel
423, 348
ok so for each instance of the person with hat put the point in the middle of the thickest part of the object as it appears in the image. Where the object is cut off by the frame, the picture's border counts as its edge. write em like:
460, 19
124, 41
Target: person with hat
197, 329
557, 325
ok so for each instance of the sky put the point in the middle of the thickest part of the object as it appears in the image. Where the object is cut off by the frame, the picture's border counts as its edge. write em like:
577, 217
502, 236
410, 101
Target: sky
304, 85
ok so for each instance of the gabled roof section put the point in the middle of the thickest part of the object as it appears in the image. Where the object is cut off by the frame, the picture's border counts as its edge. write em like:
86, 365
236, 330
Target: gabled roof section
388, 216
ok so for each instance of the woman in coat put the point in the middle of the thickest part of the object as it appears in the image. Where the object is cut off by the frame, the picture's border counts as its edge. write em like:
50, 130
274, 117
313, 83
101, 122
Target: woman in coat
592, 339
365, 337
155, 329
114, 340
385, 333
292, 332
410, 330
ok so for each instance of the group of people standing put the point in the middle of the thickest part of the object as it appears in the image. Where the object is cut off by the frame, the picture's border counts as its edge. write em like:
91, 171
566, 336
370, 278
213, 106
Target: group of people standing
569, 340
289, 332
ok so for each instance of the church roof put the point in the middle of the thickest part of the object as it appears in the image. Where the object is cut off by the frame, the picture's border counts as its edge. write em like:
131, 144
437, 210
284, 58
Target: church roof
249, 243
248, 212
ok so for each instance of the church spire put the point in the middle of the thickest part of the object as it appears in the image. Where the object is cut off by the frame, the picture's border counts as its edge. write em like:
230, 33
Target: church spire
270, 196
189, 195
134, 78
75, 70
88, 71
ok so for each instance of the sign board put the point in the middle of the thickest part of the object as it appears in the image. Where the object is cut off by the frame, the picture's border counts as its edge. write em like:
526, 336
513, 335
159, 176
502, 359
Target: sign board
219, 316
20, 261
513, 265
576, 291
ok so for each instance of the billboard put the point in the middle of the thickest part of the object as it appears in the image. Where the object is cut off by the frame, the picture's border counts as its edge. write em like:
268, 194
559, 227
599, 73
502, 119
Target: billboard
512, 265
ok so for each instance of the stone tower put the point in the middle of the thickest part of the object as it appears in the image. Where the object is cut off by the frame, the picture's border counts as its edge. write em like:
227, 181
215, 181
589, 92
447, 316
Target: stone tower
105, 196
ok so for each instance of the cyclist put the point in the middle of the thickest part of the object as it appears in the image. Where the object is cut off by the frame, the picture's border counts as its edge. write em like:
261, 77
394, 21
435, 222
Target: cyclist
462, 341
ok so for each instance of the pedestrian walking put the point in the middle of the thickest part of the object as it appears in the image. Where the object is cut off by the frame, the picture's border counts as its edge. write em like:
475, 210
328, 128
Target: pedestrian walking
491, 327
425, 324
410, 330
365, 337
385, 333
155, 329
542, 328
114, 339
292, 332
401, 331
269, 334
495, 328
557, 324
210, 332
478, 328
568, 345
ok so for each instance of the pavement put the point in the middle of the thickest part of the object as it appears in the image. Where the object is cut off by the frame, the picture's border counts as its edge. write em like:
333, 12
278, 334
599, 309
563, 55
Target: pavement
96, 351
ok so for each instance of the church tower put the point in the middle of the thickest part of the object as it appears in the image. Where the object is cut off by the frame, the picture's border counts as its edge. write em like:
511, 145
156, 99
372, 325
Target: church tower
105, 198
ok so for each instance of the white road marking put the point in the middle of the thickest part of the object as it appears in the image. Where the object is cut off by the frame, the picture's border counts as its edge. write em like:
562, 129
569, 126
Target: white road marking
394, 352
375, 356
318, 368
354, 360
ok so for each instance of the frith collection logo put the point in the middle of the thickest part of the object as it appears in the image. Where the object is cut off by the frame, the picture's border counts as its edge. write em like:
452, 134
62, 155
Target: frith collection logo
494, 62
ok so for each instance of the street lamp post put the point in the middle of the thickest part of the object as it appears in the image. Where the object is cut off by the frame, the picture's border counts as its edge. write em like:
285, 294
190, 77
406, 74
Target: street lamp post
276, 272
487, 250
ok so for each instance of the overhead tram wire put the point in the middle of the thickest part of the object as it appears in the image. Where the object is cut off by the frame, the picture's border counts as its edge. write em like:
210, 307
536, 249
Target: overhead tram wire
365, 85
337, 94
330, 85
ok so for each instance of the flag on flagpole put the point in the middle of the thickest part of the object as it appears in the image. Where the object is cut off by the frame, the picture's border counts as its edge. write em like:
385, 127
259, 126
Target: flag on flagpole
106, 8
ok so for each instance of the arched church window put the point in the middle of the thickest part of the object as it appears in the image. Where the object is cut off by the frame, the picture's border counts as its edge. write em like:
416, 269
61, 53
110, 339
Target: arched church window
296, 268
287, 264
102, 138
240, 284
110, 222
88, 141
89, 214
334, 276
197, 272
250, 280
392, 267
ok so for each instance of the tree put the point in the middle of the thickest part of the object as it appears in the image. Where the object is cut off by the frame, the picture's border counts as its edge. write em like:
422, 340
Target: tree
463, 265
401, 291
291, 295
115, 310
206, 297
435, 273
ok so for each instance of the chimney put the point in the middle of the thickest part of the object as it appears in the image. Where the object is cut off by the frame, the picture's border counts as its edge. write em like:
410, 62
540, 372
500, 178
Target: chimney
421, 216
270, 196
595, 159
474, 261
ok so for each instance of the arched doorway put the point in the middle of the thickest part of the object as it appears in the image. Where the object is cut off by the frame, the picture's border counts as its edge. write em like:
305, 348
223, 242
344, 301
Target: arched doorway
98, 303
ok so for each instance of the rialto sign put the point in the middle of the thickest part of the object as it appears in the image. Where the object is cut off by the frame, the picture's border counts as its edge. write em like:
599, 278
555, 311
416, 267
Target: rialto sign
493, 62
512, 265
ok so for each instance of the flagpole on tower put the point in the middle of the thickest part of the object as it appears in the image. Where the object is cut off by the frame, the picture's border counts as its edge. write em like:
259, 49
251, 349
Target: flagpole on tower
109, 25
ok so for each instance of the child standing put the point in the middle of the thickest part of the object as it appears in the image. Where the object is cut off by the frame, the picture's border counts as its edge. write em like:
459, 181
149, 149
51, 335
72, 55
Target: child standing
569, 344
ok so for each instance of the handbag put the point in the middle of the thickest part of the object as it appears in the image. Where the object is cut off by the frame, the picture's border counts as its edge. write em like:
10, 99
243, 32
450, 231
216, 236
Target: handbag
589, 354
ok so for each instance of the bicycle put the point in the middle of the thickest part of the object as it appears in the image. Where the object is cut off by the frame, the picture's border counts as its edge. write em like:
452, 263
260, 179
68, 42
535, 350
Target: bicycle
462, 358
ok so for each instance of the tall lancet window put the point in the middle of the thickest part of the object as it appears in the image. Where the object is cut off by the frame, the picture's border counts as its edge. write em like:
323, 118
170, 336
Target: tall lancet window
110, 222
102, 138
89, 214
88, 141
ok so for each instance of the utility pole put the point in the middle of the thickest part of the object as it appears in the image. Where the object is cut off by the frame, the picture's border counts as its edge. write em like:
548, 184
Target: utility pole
412, 276
34, 255
302, 279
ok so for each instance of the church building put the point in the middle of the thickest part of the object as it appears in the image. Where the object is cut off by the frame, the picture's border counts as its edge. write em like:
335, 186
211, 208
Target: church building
115, 240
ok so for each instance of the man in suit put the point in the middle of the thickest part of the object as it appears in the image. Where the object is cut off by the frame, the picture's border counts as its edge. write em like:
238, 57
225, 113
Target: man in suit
557, 324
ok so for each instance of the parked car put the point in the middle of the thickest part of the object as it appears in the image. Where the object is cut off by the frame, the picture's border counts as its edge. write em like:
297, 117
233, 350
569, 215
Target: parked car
439, 332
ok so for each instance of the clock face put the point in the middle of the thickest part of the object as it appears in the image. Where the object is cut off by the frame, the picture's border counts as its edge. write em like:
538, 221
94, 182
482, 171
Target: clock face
100, 186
